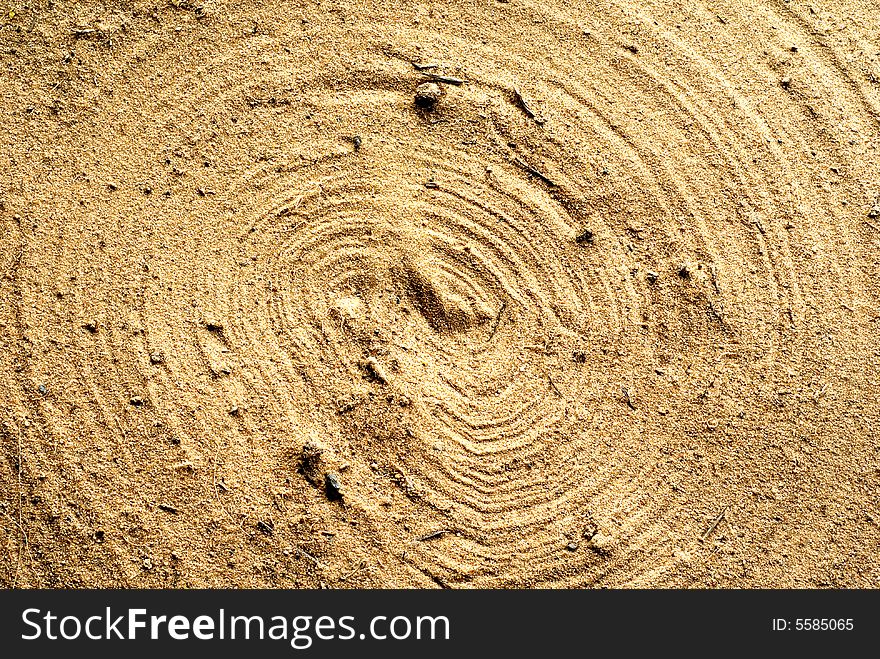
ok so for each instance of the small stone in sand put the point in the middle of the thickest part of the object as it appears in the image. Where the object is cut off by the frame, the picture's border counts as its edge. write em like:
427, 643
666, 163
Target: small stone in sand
332, 487
428, 94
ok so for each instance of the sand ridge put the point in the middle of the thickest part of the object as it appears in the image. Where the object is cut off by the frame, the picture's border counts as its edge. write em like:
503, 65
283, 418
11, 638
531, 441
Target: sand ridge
605, 315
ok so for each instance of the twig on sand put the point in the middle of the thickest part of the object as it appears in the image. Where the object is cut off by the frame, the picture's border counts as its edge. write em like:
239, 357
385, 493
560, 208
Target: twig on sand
497, 320
435, 534
314, 560
449, 80
628, 397
526, 106
714, 523
519, 162
362, 565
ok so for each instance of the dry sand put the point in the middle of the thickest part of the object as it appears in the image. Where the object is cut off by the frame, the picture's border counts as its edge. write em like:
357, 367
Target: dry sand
606, 315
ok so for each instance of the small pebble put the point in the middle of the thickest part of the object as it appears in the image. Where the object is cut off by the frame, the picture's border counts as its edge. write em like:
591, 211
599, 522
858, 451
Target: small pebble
43, 389
157, 358
585, 237
332, 487
428, 94
375, 371
602, 543
137, 401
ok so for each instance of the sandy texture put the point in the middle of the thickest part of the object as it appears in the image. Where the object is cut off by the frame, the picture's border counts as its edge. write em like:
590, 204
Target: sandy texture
605, 314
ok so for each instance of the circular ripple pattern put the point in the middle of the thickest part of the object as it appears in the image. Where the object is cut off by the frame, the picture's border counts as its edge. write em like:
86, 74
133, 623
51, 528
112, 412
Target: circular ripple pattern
455, 335
473, 311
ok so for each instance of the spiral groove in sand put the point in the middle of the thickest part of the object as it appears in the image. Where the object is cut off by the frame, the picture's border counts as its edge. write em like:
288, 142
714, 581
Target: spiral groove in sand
522, 319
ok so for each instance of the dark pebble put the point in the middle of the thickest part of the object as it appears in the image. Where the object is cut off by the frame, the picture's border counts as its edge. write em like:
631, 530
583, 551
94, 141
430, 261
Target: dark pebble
585, 237
428, 94
332, 487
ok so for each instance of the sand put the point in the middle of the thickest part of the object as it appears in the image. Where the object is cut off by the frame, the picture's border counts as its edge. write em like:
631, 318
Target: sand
596, 307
